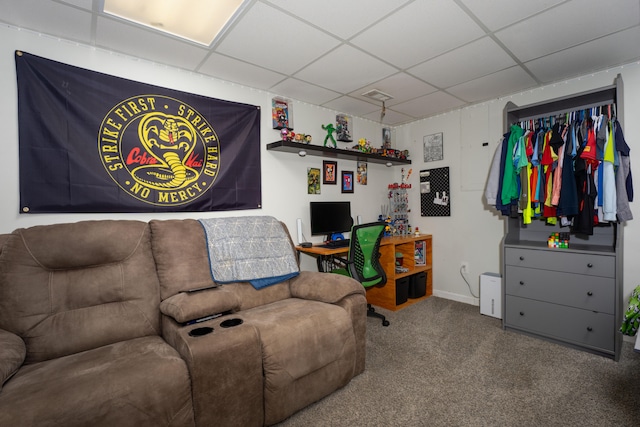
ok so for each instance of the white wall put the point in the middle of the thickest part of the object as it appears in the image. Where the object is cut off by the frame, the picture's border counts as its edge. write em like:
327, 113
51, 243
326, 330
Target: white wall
473, 231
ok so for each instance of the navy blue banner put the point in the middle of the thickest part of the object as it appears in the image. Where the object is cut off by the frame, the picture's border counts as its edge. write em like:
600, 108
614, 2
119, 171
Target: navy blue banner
91, 142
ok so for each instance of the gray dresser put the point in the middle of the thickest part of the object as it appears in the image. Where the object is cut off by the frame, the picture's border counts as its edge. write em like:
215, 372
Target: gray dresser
570, 296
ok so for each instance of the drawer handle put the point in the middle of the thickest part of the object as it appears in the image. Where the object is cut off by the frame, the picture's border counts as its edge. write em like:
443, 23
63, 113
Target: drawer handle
590, 293
589, 265
522, 313
521, 258
589, 328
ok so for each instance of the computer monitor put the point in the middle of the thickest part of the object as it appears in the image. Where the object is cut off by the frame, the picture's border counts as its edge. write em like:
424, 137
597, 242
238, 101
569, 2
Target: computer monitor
328, 218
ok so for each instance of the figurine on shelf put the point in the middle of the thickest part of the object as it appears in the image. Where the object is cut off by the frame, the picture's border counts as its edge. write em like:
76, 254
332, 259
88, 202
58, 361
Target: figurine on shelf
302, 138
363, 145
330, 130
284, 133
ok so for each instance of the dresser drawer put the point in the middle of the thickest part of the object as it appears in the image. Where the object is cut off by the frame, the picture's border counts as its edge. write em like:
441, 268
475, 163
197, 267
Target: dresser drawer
573, 325
581, 291
557, 260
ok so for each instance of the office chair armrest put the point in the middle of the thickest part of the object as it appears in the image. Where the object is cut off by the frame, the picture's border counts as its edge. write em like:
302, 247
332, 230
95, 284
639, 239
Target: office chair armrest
324, 287
338, 262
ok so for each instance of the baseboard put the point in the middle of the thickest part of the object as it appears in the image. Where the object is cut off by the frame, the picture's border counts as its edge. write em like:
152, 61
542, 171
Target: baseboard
457, 297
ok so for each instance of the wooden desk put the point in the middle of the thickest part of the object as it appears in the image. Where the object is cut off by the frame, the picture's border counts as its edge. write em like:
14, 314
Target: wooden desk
385, 296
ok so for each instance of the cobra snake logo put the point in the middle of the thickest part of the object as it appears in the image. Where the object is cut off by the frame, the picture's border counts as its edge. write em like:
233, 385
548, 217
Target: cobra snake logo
170, 139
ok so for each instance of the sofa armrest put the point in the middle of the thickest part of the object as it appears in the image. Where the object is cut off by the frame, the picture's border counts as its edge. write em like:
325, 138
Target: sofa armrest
225, 366
324, 287
187, 306
12, 354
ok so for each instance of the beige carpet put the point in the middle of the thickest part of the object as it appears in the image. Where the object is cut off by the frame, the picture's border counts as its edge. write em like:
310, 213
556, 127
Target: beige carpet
442, 363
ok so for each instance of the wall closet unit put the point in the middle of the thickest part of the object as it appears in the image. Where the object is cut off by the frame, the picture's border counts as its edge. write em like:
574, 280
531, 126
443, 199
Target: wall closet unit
570, 296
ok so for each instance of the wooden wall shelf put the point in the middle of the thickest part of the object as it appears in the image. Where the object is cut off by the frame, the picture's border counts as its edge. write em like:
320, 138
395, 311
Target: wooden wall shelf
336, 153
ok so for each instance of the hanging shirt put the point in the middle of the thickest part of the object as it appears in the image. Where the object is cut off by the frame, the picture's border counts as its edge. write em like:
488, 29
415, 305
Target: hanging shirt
510, 178
609, 179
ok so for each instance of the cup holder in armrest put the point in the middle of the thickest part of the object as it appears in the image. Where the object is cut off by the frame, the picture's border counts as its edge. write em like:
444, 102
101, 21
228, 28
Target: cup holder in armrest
229, 323
198, 332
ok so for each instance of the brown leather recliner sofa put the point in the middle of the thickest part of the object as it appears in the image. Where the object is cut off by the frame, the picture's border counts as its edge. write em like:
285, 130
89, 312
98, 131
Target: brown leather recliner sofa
95, 330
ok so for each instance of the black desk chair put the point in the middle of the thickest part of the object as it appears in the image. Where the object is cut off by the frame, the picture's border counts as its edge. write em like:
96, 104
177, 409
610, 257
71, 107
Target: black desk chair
363, 260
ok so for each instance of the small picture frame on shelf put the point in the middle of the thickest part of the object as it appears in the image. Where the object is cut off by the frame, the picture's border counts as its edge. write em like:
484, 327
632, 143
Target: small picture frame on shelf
420, 256
281, 113
386, 138
347, 181
343, 128
330, 170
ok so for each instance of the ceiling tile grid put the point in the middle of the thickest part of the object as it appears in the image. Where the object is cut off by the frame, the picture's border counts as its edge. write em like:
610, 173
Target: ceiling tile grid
430, 56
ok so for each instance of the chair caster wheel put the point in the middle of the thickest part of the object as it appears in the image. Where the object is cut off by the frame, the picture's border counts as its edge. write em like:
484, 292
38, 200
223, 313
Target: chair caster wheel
385, 323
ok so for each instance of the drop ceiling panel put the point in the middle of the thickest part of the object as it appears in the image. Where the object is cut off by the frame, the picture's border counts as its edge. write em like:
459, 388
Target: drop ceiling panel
619, 48
345, 69
48, 18
147, 44
474, 60
355, 106
275, 40
84, 4
496, 14
568, 25
432, 104
402, 87
232, 70
417, 32
391, 118
342, 18
304, 91
501, 83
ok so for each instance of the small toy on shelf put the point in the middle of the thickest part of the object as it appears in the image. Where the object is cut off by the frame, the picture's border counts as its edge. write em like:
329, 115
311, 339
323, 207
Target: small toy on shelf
559, 240
330, 130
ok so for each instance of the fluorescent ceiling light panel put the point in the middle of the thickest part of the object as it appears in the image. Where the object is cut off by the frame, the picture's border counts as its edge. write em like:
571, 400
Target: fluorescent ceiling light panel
197, 20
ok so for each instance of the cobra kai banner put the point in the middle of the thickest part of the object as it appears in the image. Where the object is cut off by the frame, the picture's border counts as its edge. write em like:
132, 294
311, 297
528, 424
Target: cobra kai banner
91, 142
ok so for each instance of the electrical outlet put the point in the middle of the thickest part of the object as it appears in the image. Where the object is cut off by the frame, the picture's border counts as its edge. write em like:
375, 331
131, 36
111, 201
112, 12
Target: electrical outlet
464, 265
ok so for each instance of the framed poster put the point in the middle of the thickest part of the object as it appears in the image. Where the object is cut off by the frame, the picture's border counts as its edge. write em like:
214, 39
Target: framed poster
313, 180
432, 146
347, 181
329, 168
361, 174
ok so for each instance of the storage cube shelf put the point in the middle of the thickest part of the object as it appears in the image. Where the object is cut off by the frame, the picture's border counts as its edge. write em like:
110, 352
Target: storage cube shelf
385, 296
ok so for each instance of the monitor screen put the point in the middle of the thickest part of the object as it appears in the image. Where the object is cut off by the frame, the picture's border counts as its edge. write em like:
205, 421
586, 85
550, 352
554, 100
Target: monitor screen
330, 217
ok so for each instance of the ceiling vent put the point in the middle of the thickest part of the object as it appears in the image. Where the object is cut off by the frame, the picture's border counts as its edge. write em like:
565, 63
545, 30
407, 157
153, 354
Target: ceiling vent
378, 95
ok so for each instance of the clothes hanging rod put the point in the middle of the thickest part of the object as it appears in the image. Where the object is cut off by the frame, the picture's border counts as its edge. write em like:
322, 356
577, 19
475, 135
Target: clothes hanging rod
565, 111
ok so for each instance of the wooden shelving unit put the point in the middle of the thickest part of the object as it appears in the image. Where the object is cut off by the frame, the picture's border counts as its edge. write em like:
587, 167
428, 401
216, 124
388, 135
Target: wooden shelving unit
385, 296
335, 153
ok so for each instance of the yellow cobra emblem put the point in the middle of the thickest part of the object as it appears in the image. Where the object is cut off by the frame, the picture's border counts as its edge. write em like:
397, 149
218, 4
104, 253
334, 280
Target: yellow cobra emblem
170, 139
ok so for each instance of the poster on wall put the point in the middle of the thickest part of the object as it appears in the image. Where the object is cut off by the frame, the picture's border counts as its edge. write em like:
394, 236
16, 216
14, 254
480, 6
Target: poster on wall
432, 147
313, 181
91, 142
